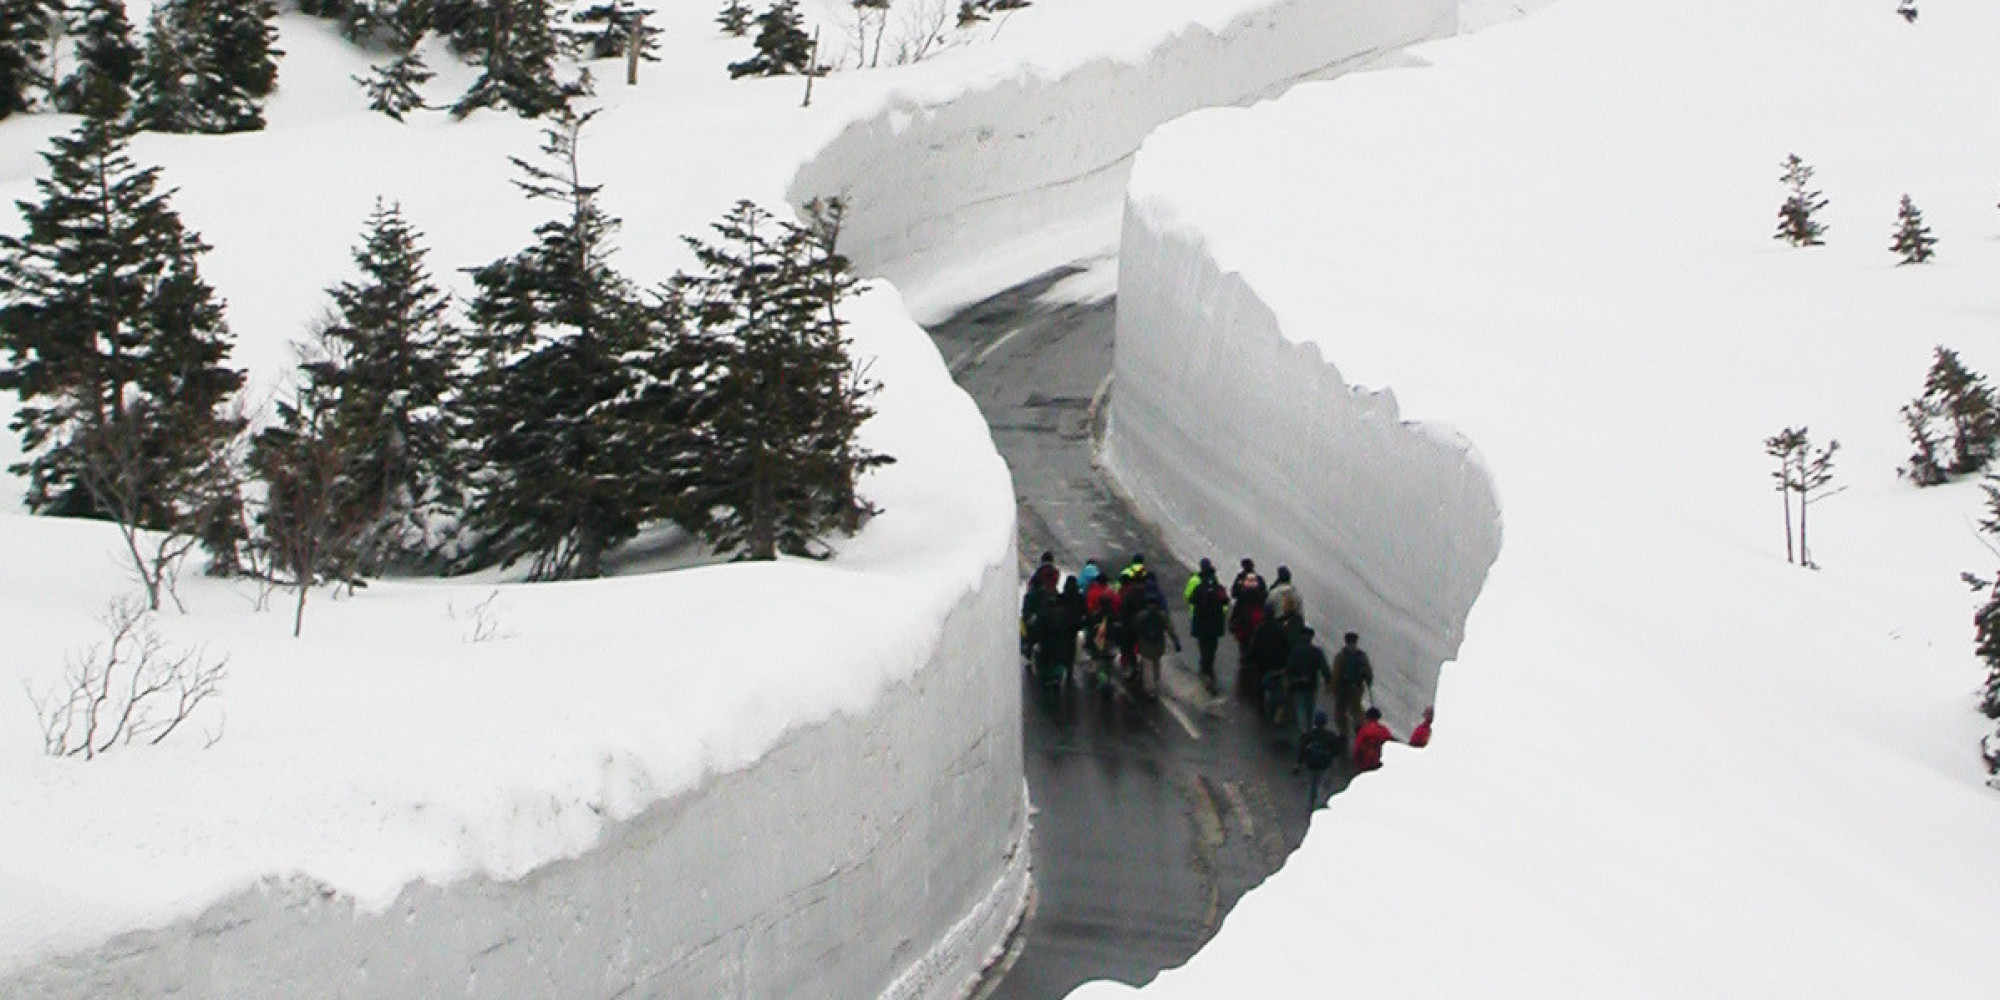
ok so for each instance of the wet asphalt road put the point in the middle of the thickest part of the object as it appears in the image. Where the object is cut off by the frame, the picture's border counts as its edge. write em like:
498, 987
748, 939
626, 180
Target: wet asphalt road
1151, 820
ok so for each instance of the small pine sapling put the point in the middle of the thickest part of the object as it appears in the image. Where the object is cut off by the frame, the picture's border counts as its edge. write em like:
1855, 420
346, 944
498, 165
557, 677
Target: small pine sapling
734, 19
1908, 9
783, 46
1954, 425
1913, 241
1806, 473
1796, 224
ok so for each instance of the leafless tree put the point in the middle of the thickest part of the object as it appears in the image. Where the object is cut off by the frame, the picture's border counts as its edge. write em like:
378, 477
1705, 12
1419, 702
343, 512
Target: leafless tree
129, 688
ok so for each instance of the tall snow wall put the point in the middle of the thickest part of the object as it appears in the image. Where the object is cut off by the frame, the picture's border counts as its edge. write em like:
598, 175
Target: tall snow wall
950, 199
908, 821
1237, 441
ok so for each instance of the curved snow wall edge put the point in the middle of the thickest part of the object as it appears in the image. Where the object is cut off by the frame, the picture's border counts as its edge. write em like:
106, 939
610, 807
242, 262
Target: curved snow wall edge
954, 200
1234, 440
908, 820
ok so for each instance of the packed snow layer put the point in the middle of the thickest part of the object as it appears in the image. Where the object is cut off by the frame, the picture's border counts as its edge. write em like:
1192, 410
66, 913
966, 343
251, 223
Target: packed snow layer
1235, 440
754, 883
960, 192
470, 752
1667, 763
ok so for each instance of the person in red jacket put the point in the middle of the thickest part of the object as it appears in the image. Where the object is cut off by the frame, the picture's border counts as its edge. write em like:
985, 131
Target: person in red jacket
1369, 741
1421, 736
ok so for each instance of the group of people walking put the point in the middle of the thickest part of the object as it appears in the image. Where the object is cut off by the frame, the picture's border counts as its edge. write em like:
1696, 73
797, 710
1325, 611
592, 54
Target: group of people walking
1125, 620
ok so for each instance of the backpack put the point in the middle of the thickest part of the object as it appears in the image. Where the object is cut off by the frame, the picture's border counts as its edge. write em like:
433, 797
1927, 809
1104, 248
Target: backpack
1210, 597
1352, 669
1318, 748
1152, 623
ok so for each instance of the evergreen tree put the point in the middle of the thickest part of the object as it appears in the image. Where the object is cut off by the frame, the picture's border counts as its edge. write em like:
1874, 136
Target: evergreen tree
559, 465
107, 61
165, 98
782, 44
1908, 9
391, 360
394, 87
241, 53
115, 343
209, 65
779, 419
516, 51
1961, 400
24, 32
603, 30
1796, 224
1913, 241
734, 19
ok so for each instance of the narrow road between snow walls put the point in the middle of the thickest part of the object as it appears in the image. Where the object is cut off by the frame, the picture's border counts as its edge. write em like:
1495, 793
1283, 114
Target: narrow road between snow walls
1151, 819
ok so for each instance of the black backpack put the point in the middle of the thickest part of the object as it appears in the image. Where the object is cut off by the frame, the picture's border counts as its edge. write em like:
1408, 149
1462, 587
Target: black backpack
1351, 669
1318, 748
1152, 623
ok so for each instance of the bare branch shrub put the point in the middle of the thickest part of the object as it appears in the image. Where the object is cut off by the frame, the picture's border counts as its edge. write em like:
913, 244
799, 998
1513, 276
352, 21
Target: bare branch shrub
484, 619
129, 688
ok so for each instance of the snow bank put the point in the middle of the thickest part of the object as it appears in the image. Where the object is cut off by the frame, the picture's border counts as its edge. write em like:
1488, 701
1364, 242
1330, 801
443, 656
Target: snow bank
732, 779
1235, 439
959, 190
1667, 763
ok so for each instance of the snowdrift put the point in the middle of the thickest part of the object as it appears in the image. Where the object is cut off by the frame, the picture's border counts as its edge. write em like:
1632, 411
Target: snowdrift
1667, 763
966, 185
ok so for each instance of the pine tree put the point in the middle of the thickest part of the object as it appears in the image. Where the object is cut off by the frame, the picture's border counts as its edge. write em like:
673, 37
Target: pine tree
782, 43
734, 19
390, 362
1796, 224
165, 99
782, 458
107, 62
394, 87
116, 345
559, 466
1908, 9
1961, 399
209, 65
1913, 241
24, 32
517, 56
603, 30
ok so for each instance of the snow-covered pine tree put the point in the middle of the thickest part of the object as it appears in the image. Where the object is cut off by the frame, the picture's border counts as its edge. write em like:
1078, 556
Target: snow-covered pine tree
208, 67
515, 47
1926, 464
603, 29
164, 98
1907, 8
782, 43
395, 87
391, 359
734, 19
24, 33
240, 50
116, 345
781, 459
1962, 398
1986, 635
559, 468
1796, 224
107, 60
1913, 241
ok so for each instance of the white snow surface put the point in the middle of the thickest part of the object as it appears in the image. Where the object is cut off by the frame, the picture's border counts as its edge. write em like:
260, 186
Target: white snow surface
1667, 763
384, 748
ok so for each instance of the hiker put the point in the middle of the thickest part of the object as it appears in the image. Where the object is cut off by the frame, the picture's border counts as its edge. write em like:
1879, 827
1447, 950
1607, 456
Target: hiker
1208, 612
1305, 670
1353, 681
1317, 750
1284, 601
1057, 627
1151, 630
1246, 612
1421, 736
1270, 647
1369, 741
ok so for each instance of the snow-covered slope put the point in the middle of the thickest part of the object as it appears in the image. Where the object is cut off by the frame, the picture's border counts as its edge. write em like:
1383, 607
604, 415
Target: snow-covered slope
1667, 763
409, 789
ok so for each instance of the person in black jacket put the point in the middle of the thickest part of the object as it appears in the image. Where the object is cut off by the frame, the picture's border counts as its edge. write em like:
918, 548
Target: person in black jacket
1208, 616
1353, 681
1305, 670
1270, 647
1317, 750
1056, 631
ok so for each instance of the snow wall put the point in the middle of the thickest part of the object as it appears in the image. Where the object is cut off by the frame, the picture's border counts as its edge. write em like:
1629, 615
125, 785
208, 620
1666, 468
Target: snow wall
953, 199
1234, 440
752, 885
